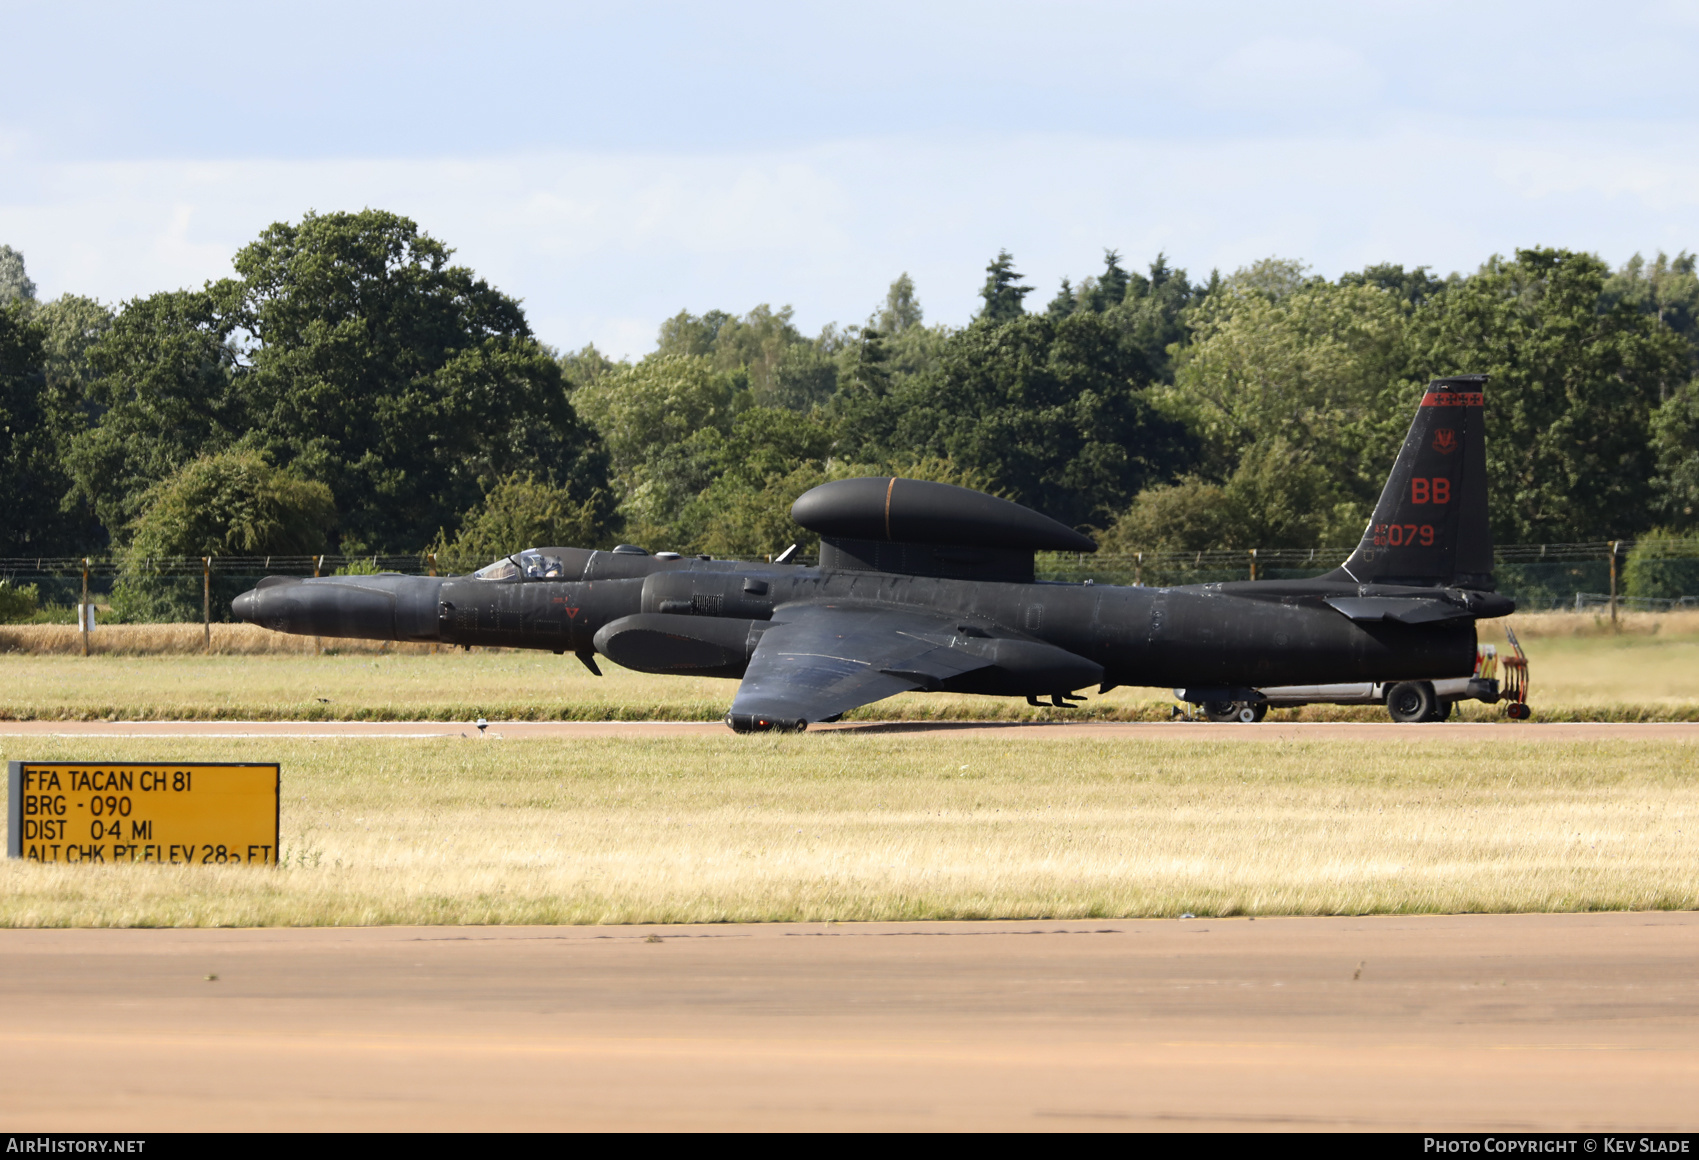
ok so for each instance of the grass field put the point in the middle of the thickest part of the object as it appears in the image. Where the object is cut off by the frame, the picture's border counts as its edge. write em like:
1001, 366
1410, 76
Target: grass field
1647, 669
843, 827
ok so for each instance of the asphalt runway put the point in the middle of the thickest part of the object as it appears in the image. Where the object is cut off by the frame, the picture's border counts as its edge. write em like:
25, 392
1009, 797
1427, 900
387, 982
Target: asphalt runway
966, 730
1492, 1022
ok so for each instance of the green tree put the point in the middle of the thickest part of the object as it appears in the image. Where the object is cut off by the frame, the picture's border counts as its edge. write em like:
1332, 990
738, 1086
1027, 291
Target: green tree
1002, 291
654, 418
871, 376
70, 327
687, 334
163, 394
580, 368
1575, 379
1153, 313
908, 347
1112, 284
232, 503
1149, 313
1675, 441
18, 603
779, 366
1662, 567
742, 510
520, 512
352, 351
658, 402
1065, 302
21, 385
1417, 287
747, 513
1667, 290
408, 384
1273, 278
15, 283
1052, 411
902, 308
1277, 497
804, 377
1321, 370
39, 411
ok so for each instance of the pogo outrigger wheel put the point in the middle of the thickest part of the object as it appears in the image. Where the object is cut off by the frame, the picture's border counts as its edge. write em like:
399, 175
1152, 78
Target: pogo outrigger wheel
1513, 689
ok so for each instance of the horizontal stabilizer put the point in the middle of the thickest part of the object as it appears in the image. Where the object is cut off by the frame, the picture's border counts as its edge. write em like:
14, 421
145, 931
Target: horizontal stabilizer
1403, 609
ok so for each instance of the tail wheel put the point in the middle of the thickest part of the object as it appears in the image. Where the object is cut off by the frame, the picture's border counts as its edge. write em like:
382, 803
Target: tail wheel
1410, 701
1222, 711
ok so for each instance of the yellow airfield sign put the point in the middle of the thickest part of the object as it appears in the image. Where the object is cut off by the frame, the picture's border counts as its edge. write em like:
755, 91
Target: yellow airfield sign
104, 812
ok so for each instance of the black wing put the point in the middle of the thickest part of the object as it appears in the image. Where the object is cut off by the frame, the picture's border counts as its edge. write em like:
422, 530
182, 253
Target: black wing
820, 660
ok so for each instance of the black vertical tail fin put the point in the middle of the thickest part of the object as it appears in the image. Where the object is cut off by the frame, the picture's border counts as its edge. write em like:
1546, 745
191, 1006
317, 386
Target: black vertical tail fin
1430, 526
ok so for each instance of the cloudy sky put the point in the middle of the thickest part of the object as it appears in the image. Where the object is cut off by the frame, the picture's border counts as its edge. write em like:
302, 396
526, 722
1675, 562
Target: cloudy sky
613, 164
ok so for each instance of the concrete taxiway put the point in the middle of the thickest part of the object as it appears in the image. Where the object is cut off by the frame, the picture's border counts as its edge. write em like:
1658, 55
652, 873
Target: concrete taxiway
1491, 1022
1482, 732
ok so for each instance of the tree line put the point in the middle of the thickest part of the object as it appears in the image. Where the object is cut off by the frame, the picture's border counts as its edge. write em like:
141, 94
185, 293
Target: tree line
350, 389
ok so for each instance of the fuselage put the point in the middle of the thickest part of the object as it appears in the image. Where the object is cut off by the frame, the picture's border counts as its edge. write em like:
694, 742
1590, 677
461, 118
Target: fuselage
1250, 633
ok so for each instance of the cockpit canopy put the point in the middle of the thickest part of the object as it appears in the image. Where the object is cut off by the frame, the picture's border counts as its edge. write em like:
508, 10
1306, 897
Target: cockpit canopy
530, 564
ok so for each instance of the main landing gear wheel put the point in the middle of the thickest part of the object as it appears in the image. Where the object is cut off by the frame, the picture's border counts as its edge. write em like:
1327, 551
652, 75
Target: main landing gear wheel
1411, 701
1442, 710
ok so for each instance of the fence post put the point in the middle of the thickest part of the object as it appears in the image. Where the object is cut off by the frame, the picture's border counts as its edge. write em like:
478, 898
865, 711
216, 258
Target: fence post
206, 600
82, 613
1253, 563
1614, 544
1138, 569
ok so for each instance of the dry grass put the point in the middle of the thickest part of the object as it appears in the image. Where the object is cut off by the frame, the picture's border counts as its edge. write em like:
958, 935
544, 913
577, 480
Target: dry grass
1649, 670
141, 640
844, 827
453, 685
251, 640
1535, 625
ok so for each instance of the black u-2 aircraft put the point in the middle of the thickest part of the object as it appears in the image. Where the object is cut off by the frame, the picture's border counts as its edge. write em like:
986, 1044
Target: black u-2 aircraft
925, 586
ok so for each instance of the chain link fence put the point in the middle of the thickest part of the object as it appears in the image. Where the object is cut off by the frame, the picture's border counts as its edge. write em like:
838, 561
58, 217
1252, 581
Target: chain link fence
1657, 573
1650, 574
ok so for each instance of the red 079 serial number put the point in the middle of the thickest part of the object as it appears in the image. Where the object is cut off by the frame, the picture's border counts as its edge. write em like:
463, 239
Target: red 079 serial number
1402, 535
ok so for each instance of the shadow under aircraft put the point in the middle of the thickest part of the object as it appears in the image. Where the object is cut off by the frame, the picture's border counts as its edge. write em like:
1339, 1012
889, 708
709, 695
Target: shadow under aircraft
925, 586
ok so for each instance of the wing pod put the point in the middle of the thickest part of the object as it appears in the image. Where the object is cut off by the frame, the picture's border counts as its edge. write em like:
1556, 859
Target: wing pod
683, 645
919, 528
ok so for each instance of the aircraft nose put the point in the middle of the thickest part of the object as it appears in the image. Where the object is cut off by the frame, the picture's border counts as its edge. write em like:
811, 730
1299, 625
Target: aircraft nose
363, 607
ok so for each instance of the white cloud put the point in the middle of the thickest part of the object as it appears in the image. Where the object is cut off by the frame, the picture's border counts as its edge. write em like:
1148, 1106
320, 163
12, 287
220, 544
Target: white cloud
602, 246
